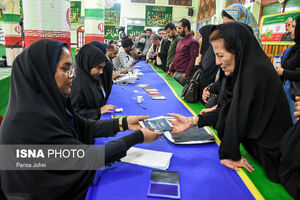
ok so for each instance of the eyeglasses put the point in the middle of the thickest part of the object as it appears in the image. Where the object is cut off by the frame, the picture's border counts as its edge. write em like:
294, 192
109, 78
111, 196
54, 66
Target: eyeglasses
70, 72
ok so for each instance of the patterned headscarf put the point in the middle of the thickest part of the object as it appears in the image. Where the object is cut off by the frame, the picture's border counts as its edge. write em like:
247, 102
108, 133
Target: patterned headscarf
241, 14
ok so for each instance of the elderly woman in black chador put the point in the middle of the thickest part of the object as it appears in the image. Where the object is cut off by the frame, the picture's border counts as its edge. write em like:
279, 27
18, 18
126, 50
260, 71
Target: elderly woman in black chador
252, 107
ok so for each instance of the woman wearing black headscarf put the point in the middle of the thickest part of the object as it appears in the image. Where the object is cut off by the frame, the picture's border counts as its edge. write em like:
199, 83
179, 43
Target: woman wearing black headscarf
252, 107
39, 112
205, 65
290, 70
208, 61
106, 77
88, 94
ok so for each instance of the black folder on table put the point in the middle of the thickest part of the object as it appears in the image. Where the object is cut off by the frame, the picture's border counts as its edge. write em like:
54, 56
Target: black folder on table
193, 135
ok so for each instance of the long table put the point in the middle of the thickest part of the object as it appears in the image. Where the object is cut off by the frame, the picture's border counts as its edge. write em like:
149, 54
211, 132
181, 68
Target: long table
201, 174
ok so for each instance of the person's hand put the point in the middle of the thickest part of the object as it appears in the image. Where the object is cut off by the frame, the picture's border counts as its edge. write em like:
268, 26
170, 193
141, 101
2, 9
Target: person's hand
235, 165
107, 109
279, 70
133, 53
150, 136
130, 70
205, 95
170, 74
180, 123
185, 77
116, 75
198, 60
123, 70
147, 61
155, 53
141, 54
206, 110
154, 62
133, 122
297, 108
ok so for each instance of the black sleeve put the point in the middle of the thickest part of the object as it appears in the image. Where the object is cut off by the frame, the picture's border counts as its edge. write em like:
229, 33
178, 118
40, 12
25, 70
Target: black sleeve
116, 149
80, 107
88, 129
291, 75
209, 119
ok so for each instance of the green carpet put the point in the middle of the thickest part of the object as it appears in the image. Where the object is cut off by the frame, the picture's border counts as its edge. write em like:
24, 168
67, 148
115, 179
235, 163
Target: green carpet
268, 189
4, 91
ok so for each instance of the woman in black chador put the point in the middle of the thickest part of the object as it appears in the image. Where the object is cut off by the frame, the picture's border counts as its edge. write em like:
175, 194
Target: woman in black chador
88, 94
39, 112
252, 107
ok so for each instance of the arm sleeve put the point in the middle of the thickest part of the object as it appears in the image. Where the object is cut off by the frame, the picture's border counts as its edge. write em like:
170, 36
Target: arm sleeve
125, 60
116, 149
194, 51
151, 50
164, 51
209, 119
80, 107
291, 75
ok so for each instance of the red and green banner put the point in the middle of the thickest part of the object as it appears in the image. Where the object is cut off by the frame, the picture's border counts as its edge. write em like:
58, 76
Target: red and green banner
277, 29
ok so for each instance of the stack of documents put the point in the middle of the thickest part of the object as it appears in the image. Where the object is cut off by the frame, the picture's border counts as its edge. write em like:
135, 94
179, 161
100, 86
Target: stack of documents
148, 158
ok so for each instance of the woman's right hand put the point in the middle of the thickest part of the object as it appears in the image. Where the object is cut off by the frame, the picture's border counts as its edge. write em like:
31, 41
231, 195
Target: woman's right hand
206, 110
205, 95
180, 124
150, 136
198, 60
235, 165
107, 109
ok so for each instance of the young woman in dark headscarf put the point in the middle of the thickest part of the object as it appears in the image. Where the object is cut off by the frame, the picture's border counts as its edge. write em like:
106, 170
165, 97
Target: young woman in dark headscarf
88, 94
40, 112
252, 107
205, 65
106, 77
208, 61
290, 69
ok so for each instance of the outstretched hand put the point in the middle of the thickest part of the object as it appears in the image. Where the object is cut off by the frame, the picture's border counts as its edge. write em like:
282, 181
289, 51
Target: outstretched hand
235, 165
180, 124
107, 109
150, 136
133, 122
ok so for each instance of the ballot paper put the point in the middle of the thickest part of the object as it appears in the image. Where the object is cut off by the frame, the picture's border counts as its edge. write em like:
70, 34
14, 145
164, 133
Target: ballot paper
148, 158
159, 124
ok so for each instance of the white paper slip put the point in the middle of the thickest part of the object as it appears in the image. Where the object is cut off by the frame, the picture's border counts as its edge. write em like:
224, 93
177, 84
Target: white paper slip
148, 158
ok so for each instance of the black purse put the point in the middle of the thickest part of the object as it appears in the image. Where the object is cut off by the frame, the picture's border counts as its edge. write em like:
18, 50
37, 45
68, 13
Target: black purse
192, 91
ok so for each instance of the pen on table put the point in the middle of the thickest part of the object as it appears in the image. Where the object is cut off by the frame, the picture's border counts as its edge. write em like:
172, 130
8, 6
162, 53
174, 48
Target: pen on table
142, 106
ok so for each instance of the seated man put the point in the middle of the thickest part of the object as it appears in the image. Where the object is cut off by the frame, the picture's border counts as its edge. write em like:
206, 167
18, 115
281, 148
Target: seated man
125, 57
111, 53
